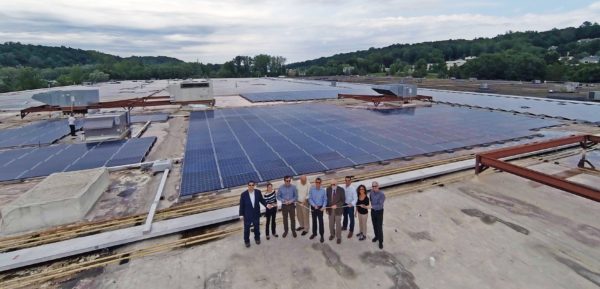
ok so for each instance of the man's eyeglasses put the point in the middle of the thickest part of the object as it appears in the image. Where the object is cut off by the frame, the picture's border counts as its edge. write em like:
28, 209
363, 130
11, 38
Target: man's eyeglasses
287, 181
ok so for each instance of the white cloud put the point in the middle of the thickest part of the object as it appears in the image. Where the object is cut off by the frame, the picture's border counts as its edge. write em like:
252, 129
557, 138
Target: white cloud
216, 31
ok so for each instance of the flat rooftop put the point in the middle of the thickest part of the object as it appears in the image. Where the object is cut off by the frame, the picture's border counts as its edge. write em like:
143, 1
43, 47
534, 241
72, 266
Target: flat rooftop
494, 230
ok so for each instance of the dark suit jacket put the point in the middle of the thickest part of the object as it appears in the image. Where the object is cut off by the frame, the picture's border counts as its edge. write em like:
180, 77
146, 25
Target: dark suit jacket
249, 212
340, 198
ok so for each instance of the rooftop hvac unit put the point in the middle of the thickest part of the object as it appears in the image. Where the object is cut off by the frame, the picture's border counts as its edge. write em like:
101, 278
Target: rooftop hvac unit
191, 91
106, 126
65, 98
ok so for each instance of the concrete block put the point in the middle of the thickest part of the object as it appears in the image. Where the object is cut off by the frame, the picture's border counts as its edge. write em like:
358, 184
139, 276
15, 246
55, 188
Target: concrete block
59, 199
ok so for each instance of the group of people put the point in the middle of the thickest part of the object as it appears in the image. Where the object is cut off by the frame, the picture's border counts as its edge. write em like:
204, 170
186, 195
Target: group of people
343, 204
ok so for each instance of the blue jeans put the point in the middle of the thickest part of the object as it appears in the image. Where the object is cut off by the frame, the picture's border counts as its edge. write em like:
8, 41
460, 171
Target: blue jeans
348, 214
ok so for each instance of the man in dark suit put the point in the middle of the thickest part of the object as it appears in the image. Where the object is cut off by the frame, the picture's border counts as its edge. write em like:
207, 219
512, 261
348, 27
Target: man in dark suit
250, 212
335, 203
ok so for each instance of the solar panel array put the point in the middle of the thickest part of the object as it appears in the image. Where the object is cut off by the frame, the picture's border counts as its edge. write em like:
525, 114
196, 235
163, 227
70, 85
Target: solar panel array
226, 148
39, 133
575, 110
155, 117
299, 95
25, 163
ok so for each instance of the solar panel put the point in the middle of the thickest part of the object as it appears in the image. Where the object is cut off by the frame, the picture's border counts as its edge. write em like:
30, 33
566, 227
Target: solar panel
576, 110
38, 133
36, 162
155, 117
301, 95
227, 148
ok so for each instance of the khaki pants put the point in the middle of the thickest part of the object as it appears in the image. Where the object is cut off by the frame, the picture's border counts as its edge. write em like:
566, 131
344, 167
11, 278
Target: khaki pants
362, 223
335, 225
302, 212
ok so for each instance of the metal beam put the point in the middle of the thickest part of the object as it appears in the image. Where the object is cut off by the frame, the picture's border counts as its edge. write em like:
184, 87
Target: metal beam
540, 177
125, 103
535, 146
492, 159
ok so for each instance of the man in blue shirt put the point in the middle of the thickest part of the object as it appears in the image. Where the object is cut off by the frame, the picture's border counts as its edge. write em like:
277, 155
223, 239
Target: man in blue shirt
287, 194
377, 199
317, 200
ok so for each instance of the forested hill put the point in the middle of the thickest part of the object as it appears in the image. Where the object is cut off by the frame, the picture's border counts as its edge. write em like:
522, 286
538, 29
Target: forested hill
514, 55
558, 54
38, 56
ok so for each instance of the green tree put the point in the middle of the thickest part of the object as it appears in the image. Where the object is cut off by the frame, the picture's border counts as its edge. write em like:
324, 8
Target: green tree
64, 80
29, 78
261, 65
98, 76
76, 74
420, 68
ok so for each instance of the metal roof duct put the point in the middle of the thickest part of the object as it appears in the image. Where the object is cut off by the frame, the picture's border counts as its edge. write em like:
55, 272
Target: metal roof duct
399, 90
64, 98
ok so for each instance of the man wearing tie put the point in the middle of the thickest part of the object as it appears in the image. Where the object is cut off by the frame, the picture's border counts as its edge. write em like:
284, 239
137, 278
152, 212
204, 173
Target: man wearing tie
250, 212
335, 204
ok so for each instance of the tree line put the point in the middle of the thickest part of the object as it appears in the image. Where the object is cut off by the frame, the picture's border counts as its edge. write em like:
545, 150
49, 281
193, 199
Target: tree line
511, 56
549, 55
98, 67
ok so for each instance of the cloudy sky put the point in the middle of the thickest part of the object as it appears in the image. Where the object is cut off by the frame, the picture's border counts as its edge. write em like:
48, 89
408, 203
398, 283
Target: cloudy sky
217, 30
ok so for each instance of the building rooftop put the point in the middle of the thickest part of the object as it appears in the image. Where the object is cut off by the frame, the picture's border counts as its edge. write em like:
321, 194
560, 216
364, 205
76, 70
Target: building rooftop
453, 230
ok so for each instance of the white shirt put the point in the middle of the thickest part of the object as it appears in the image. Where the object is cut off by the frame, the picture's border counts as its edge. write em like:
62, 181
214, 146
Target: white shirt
252, 197
71, 120
303, 191
350, 193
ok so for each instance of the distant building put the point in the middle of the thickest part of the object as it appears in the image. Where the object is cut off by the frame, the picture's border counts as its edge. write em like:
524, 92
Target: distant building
459, 62
292, 72
565, 58
586, 40
348, 69
590, 59
455, 63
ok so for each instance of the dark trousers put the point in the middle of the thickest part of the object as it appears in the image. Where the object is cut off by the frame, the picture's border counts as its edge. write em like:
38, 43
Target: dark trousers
377, 218
72, 127
317, 215
348, 215
270, 214
582, 163
288, 212
247, 223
